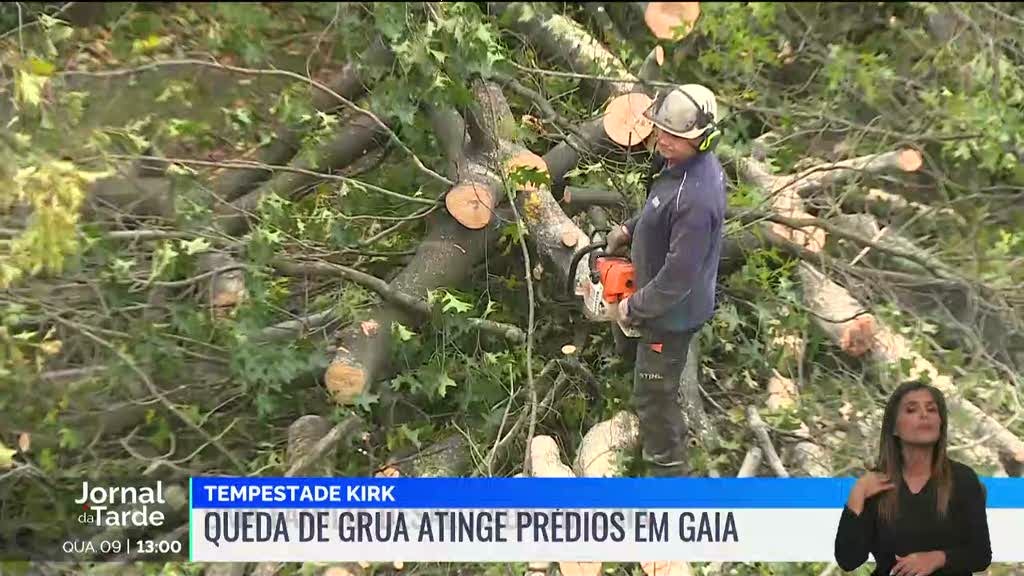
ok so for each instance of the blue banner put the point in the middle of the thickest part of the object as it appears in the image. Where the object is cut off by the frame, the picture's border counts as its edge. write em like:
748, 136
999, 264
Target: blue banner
384, 493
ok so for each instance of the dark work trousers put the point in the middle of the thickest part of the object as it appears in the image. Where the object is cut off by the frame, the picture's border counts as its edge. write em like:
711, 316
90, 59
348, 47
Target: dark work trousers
658, 360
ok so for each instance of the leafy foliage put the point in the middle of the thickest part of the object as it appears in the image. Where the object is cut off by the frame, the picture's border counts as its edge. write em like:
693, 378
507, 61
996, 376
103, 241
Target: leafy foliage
94, 293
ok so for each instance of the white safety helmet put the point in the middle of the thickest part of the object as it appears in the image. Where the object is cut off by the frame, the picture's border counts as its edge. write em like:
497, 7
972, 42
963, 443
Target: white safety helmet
688, 111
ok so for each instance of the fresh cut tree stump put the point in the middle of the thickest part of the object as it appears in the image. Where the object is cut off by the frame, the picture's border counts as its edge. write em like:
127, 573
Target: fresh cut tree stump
664, 18
624, 121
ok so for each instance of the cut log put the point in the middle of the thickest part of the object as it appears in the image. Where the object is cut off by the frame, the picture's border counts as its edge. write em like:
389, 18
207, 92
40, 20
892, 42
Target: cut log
671, 20
817, 177
442, 259
751, 463
603, 447
546, 459
867, 336
546, 462
226, 289
860, 334
624, 121
471, 204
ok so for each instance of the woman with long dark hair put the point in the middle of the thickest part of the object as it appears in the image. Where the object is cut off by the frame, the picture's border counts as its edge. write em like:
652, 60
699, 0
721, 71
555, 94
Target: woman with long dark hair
919, 512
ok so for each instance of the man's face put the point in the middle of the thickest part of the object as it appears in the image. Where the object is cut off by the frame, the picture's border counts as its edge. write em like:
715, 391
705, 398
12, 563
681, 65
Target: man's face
674, 148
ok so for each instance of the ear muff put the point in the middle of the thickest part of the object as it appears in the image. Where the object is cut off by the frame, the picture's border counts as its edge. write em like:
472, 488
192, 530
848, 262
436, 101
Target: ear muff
709, 140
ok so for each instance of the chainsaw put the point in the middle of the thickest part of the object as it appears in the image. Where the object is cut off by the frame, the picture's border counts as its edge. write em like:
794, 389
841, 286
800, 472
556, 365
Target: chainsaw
610, 281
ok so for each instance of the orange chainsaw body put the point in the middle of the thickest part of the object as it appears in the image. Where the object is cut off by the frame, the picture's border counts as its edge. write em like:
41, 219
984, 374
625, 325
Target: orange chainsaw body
617, 278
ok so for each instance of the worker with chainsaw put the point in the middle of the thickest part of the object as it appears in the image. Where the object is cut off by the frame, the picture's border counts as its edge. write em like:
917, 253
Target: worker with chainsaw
674, 243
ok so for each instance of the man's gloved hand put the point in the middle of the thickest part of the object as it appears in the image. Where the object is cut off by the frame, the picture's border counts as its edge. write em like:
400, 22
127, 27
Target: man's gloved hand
617, 241
620, 313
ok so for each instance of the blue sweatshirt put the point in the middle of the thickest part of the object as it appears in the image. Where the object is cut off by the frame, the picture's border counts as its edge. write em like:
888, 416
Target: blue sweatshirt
676, 246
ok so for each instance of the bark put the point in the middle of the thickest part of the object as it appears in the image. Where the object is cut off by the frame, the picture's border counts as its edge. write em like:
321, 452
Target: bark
305, 455
576, 198
701, 428
130, 196
303, 435
562, 39
603, 446
447, 458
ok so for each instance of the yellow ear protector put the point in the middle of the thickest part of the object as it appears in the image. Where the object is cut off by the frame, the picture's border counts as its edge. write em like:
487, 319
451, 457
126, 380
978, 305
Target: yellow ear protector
708, 140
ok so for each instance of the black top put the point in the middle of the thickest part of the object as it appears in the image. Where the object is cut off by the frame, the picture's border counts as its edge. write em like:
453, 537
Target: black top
676, 245
962, 533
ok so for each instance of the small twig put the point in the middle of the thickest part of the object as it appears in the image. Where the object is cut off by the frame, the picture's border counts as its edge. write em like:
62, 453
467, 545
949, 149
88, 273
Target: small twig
198, 277
22, 26
393, 228
760, 430
501, 426
270, 72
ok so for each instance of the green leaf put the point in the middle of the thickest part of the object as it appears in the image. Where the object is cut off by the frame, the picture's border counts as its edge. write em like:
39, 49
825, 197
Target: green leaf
41, 67
452, 302
444, 382
365, 400
403, 333
407, 381
411, 435
6, 457
195, 246
29, 88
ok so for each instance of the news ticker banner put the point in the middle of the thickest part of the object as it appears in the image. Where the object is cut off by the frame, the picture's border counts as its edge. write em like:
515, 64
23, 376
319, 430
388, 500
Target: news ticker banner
443, 519
540, 519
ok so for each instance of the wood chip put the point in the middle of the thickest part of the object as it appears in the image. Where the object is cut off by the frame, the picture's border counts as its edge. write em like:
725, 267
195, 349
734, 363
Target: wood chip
369, 327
